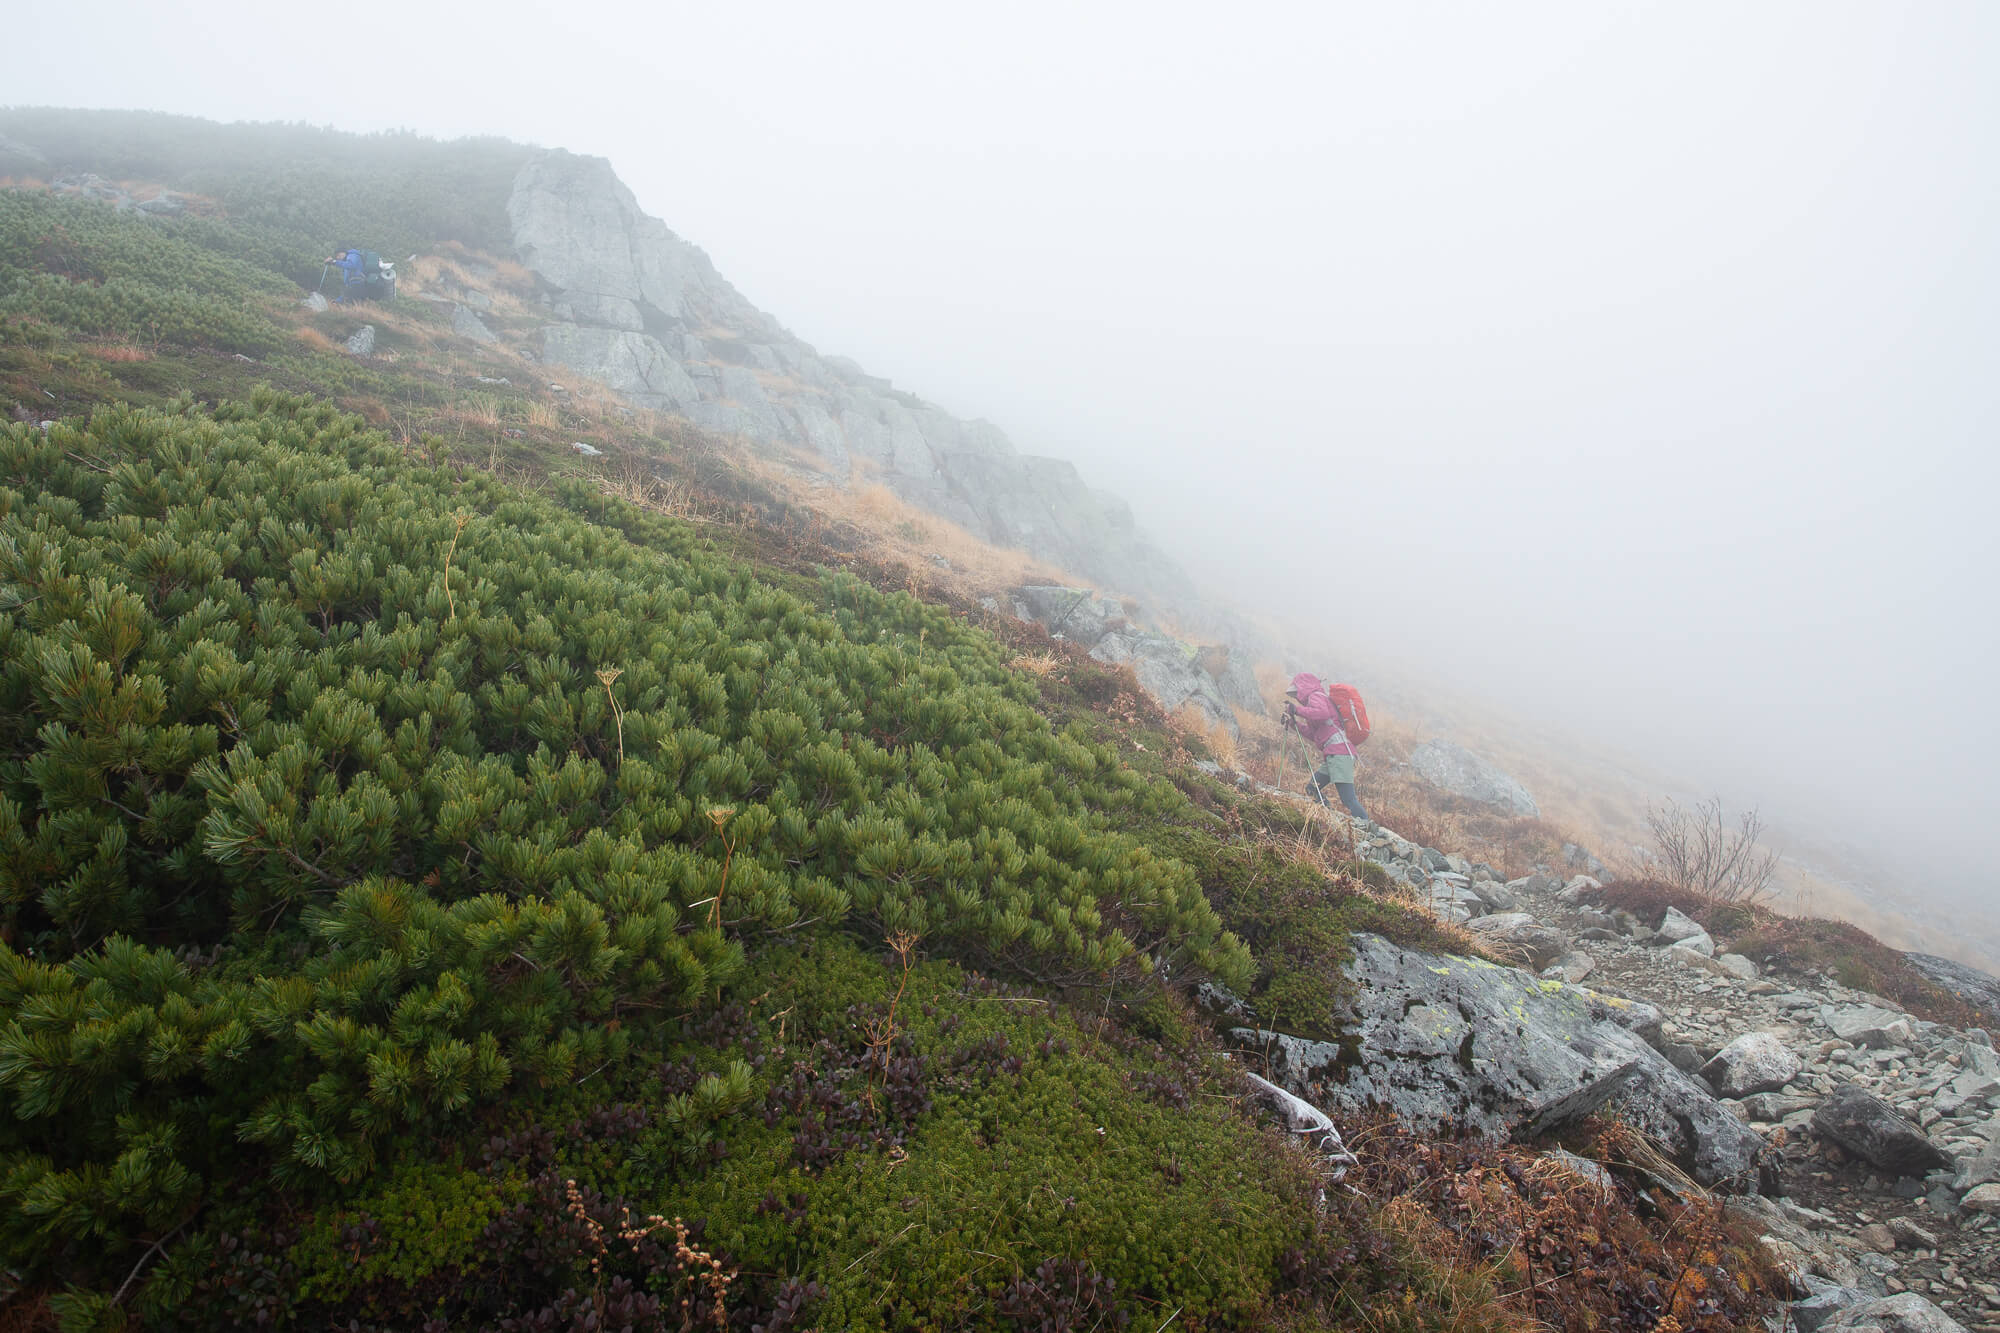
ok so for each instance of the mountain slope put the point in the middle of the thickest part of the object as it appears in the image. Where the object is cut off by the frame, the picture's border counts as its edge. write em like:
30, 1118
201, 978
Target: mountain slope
438, 897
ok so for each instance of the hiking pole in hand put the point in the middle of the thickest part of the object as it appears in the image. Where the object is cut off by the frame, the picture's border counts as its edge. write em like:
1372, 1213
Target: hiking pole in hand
1285, 745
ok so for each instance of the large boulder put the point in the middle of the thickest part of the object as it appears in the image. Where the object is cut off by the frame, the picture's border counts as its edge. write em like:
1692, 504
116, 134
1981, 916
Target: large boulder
361, 342
1811, 1314
1678, 929
1754, 1062
1905, 1312
1166, 670
1861, 1123
1232, 676
1867, 1025
1441, 1039
1076, 614
1463, 773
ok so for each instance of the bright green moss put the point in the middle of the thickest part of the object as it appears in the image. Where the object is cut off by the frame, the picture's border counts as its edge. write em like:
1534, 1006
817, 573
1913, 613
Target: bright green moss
422, 1221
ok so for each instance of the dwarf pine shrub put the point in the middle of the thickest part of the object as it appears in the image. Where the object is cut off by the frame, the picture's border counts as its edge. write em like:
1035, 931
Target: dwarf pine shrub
312, 839
84, 268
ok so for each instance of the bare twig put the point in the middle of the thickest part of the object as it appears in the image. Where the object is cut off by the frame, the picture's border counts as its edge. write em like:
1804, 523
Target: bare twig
1700, 852
451, 604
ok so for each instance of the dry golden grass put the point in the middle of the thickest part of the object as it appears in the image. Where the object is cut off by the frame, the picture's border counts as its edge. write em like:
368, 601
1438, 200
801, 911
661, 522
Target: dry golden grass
898, 531
371, 410
478, 410
120, 353
1037, 664
1194, 722
630, 479
448, 273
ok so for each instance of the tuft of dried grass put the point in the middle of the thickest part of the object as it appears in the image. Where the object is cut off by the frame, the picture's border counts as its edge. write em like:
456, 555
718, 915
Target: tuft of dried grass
897, 531
1037, 664
631, 480
1192, 721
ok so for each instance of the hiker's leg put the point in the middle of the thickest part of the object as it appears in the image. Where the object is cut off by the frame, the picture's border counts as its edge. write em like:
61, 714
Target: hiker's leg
1349, 799
1316, 785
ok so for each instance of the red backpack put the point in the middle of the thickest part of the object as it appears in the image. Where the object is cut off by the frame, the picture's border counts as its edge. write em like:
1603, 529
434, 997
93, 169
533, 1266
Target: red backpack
1353, 713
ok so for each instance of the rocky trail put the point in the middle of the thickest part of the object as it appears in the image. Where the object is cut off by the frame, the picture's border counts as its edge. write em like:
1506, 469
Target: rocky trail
1884, 1128
1862, 1141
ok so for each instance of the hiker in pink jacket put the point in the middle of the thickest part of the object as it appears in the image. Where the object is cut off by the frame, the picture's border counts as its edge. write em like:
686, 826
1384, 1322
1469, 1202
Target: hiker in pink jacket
1311, 710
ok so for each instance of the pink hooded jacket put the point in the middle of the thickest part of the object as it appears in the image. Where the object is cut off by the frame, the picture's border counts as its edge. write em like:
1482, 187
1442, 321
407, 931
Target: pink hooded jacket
1318, 718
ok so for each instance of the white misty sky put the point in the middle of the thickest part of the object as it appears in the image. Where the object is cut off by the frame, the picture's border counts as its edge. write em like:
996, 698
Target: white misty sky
1634, 363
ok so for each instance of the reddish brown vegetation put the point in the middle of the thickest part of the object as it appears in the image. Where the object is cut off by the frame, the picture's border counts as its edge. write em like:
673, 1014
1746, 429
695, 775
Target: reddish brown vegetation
1564, 1251
1854, 958
1804, 946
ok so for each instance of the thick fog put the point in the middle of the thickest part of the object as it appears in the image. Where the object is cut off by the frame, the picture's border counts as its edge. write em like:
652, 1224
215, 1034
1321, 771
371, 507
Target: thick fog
1633, 365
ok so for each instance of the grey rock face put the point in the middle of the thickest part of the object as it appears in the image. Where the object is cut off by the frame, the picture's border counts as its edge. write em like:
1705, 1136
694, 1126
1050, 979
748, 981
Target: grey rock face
1167, 673
1870, 1128
1905, 1312
633, 364
1076, 614
1232, 675
1463, 773
603, 310
362, 341
1499, 1051
1754, 1062
315, 303
615, 275
468, 325
578, 227
1812, 1313
1174, 673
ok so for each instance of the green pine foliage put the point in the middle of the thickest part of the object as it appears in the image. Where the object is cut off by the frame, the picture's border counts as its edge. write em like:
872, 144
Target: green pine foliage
430, 903
83, 268
345, 802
